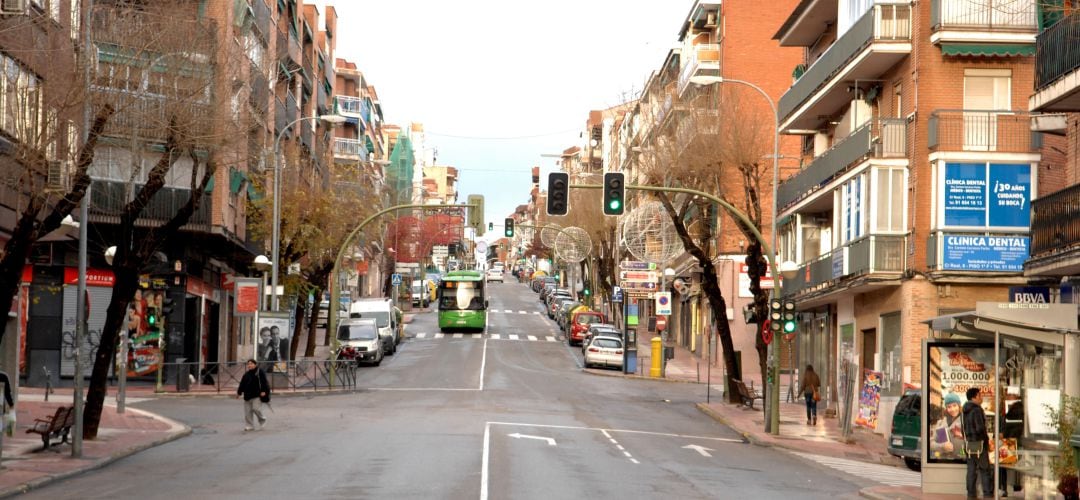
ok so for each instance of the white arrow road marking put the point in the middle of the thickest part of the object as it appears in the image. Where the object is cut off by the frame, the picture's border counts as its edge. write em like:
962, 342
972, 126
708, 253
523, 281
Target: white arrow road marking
700, 449
518, 435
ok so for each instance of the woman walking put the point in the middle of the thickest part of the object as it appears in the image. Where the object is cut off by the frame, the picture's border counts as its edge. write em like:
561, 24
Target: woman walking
811, 384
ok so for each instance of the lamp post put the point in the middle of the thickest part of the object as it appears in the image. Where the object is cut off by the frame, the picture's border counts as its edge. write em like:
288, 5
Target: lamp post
275, 236
669, 274
262, 264
772, 424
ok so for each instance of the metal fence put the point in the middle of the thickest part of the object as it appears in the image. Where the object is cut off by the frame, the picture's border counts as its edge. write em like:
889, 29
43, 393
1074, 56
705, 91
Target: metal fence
1055, 221
983, 14
307, 375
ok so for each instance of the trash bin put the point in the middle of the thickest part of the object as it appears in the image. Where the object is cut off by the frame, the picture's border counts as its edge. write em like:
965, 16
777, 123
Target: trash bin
183, 375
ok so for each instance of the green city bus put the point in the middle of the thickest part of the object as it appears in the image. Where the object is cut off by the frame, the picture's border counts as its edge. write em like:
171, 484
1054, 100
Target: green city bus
462, 302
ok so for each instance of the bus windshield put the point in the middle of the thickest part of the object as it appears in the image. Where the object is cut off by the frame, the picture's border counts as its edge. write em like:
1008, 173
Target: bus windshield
461, 296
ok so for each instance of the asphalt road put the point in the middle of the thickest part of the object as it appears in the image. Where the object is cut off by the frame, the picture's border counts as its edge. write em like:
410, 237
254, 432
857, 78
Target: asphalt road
472, 418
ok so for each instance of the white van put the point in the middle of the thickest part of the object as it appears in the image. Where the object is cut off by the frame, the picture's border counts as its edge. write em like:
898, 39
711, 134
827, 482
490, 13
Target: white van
382, 311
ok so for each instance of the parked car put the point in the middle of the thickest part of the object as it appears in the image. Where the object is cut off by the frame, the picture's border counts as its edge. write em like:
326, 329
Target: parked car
906, 437
324, 308
563, 317
579, 324
604, 351
421, 295
385, 315
495, 274
597, 330
556, 304
359, 340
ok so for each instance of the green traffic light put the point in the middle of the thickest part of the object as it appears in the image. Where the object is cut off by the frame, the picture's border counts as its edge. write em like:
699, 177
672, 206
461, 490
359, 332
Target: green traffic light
614, 204
789, 326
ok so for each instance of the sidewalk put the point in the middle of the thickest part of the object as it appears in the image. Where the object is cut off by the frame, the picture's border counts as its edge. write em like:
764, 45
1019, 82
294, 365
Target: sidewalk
25, 466
824, 439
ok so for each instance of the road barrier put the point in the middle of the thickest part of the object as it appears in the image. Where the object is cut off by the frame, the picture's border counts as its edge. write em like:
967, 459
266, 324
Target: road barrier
311, 375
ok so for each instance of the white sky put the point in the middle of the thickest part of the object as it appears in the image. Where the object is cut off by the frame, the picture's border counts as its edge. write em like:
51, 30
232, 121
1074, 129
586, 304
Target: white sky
476, 72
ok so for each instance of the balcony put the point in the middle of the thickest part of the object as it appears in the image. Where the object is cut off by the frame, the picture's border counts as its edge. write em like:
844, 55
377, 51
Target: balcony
260, 91
307, 133
146, 116
262, 18
875, 43
1055, 234
991, 131
281, 117
108, 198
878, 255
701, 60
1057, 67
322, 98
983, 21
349, 149
885, 138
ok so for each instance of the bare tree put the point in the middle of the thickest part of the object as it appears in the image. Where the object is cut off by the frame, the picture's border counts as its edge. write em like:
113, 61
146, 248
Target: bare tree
716, 146
170, 78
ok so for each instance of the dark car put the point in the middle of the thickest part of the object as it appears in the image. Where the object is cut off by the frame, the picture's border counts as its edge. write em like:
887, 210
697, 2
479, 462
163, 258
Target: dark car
906, 437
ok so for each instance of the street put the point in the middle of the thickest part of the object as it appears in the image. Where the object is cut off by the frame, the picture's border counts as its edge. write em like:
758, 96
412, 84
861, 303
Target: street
505, 414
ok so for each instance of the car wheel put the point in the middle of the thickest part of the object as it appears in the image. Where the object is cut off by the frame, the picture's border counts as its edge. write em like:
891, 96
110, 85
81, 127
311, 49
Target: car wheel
913, 464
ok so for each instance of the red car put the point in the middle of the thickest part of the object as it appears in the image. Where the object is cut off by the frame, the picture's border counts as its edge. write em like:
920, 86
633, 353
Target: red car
579, 324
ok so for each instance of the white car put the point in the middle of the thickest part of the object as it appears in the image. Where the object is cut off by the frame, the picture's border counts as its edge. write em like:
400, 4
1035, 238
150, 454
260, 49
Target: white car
494, 275
604, 351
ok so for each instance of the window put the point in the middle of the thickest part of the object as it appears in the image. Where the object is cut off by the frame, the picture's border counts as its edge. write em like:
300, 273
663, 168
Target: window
852, 219
986, 92
851, 12
20, 100
892, 346
889, 192
76, 18
898, 100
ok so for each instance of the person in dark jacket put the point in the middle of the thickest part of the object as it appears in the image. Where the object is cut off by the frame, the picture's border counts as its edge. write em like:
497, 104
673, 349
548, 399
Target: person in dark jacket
978, 445
254, 388
811, 384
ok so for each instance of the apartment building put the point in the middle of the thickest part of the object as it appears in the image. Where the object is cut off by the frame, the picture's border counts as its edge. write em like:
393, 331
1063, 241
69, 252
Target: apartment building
718, 62
919, 164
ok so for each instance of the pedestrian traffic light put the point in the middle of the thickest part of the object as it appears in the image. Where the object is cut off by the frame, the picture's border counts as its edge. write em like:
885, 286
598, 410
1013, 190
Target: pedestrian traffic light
152, 318
166, 306
558, 195
614, 193
790, 320
776, 314
508, 227
749, 313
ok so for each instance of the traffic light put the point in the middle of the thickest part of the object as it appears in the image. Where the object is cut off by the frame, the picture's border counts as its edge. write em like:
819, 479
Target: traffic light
491, 226
558, 195
614, 193
152, 318
476, 213
508, 227
776, 314
789, 314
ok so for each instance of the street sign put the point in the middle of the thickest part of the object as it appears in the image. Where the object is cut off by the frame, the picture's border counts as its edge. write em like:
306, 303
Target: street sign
639, 285
661, 323
395, 279
616, 294
663, 303
637, 265
638, 276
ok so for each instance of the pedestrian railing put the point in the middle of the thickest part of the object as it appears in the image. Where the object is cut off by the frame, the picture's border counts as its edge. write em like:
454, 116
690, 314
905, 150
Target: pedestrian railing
302, 375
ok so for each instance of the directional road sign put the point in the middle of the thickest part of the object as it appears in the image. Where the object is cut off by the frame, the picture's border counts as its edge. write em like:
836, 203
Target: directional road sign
637, 265
638, 276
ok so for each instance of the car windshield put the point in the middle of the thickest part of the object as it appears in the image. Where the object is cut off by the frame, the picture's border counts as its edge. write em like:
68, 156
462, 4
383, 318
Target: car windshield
382, 318
607, 343
588, 318
357, 332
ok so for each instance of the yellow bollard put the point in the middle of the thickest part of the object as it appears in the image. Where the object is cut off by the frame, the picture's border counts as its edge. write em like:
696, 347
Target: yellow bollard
657, 357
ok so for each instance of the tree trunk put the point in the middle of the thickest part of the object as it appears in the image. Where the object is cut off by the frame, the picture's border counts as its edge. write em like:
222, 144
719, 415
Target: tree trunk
309, 349
123, 290
294, 343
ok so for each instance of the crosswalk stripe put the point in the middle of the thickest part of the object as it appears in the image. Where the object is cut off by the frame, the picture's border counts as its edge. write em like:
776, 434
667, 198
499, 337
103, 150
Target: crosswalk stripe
438, 335
457, 335
421, 335
495, 336
523, 312
884, 474
532, 338
550, 338
513, 337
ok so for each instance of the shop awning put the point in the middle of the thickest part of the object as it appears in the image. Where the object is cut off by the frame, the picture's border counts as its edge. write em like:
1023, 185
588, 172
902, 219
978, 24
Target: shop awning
1043, 323
988, 49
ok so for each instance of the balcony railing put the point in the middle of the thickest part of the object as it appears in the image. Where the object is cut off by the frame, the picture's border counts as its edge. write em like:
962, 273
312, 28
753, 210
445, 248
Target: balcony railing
1055, 221
974, 130
885, 138
281, 45
348, 105
983, 15
146, 115
702, 59
872, 254
306, 133
262, 17
349, 148
108, 198
1057, 51
292, 109
882, 23
281, 117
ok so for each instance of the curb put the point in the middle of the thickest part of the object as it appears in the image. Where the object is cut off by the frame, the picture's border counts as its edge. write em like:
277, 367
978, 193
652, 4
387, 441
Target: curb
609, 373
183, 431
750, 438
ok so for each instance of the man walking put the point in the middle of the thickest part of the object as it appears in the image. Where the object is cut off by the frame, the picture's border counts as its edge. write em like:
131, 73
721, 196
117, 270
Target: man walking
254, 388
977, 444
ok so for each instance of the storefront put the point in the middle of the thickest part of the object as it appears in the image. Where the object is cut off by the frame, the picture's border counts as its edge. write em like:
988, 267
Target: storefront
1023, 358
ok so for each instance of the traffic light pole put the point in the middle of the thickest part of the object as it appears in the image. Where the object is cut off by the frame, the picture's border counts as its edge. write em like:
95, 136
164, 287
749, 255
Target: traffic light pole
335, 292
773, 421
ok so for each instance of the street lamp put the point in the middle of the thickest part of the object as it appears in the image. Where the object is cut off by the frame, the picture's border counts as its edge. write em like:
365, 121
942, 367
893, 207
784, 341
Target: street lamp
274, 244
773, 422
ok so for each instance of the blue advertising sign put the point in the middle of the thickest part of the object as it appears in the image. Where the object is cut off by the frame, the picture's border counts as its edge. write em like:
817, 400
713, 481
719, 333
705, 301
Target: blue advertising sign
982, 195
1010, 194
1029, 294
965, 194
984, 253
